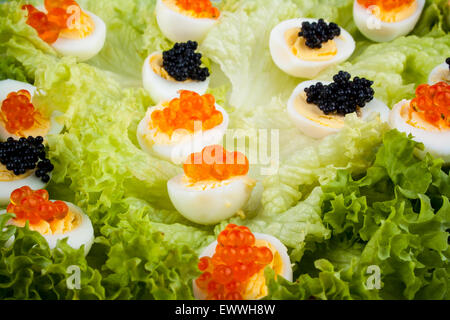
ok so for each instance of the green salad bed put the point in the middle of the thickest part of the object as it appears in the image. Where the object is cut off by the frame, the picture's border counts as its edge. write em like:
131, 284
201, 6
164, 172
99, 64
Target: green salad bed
352, 200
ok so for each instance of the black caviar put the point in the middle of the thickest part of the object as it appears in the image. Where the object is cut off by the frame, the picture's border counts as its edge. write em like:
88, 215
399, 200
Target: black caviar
448, 62
342, 96
25, 154
319, 32
183, 63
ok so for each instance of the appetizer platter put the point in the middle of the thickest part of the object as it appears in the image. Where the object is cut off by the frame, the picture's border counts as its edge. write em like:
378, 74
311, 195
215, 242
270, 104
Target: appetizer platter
225, 150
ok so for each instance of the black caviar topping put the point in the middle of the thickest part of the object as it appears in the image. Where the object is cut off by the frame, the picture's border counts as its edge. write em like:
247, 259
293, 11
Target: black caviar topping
319, 32
182, 62
25, 154
448, 62
342, 96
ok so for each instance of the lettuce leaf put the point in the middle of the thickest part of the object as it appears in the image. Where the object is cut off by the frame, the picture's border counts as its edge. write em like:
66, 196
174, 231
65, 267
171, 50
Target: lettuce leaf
435, 20
239, 45
384, 220
142, 264
336, 11
13, 26
10, 68
295, 227
132, 35
29, 270
352, 149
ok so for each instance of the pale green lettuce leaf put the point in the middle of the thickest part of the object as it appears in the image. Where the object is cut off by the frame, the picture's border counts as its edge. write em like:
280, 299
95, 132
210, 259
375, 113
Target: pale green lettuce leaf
132, 34
352, 149
240, 45
294, 227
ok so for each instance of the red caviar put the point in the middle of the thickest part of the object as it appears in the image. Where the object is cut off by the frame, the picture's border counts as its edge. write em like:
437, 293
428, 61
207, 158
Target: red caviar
18, 112
35, 206
185, 111
215, 163
432, 103
202, 8
235, 261
386, 5
50, 25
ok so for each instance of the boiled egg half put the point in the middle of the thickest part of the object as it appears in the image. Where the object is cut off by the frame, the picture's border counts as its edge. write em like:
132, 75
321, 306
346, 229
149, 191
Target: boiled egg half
291, 54
383, 21
41, 126
22, 164
427, 119
54, 220
174, 129
214, 186
183, 20
312, 121
162, 86
440, 73
70, 30
236, 272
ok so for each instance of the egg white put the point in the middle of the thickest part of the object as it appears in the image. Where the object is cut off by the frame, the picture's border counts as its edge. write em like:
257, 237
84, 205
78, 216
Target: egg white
182, 143
85, 48
380, 31
181, 28
294, 66
316, 130
280, 247
8, 86
83, 234
435, 142
209, 202
439, 73
7, 187
161, 89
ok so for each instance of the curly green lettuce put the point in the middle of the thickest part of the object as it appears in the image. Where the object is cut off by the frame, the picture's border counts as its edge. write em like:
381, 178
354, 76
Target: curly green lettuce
142, 262
30, 270
390, 220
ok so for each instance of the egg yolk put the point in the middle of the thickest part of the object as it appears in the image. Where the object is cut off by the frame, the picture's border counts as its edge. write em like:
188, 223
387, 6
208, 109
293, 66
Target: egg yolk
432, 104
156, 63
390, 10
64, 18
299, 48
44, 216
187, 110
215, 163
8, 175
238, 262
19, 116
197, 8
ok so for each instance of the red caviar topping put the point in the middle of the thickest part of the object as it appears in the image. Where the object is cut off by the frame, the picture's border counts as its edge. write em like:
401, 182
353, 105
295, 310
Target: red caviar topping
185, 111
385, 5
215, 163
50, 25
18, 112
202, 8
34, 206
234, 262
432, 103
